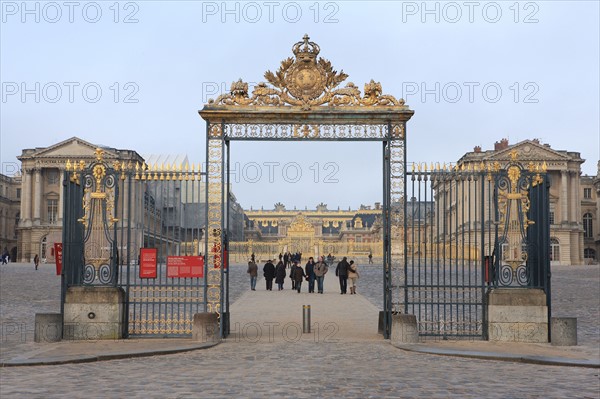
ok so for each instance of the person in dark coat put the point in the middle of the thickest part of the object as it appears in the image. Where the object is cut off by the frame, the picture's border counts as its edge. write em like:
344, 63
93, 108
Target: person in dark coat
299, 275
292, 276
280, 275
342, 272
269, 274
310, 273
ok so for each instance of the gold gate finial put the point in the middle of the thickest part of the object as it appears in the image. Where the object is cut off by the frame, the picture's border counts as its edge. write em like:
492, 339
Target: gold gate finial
99, 154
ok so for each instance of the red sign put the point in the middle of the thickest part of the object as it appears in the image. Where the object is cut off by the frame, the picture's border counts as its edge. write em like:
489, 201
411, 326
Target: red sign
58, 257
148, 262
185, 266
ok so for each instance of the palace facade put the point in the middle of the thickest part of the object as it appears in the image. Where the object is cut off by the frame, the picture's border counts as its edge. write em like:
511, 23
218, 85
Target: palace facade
573, 198
172, 214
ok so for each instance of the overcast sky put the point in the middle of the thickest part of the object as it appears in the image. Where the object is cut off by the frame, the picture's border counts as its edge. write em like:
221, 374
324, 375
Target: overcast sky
132, 75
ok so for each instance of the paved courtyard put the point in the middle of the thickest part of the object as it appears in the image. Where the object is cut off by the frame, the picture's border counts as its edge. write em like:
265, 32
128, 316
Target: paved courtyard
352, 361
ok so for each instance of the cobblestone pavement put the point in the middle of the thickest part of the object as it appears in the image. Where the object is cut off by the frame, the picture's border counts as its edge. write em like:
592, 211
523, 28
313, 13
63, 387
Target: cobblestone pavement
303, 370
289, 367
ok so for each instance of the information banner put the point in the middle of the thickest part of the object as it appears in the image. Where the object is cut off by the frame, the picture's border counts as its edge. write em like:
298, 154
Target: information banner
148, 262
185, 266
58, 257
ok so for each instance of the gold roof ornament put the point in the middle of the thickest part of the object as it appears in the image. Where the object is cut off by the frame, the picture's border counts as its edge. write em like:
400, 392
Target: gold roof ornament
305, 81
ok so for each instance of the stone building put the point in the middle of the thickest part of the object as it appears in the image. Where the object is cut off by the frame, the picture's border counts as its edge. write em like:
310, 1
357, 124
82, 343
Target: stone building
167, 211
590, 210
41, 208
566, 189
10, 194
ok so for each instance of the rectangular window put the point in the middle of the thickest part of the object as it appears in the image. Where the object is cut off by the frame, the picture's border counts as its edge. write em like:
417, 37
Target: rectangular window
587, 193
18, 193
551, 217
52, 175
52, 211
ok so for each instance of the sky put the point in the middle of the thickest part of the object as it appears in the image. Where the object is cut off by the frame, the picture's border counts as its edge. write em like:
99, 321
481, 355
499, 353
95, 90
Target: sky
133, 75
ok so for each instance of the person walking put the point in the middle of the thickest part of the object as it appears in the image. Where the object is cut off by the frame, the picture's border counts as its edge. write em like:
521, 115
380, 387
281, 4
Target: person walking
370, 258
280, 275
353, 276
253, 272
292, 276
299, 275
36, 261
310, 272
342, 272
320, 270
269, 274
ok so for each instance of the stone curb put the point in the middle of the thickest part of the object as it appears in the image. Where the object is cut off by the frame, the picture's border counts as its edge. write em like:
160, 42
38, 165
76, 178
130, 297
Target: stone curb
73, 359
507, 357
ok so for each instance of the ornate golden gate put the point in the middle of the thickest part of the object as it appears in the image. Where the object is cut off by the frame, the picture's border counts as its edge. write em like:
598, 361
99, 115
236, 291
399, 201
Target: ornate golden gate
304, 103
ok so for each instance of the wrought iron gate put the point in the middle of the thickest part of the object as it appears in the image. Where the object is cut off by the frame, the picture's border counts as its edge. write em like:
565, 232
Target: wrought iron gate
113, 210
469, 228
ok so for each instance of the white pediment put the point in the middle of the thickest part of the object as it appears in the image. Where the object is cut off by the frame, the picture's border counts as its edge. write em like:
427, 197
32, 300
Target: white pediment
529, 151
73, 148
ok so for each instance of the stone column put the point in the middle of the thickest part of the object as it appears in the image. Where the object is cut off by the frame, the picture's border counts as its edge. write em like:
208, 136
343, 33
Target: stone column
26, 196
37, 199
564, 194
61, 176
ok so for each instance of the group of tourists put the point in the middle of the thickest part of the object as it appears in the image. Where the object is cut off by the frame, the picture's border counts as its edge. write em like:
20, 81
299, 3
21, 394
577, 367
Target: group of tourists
313, 272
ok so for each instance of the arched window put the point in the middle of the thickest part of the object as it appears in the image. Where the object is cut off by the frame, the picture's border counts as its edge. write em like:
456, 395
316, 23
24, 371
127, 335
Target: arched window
554, 249
588, 231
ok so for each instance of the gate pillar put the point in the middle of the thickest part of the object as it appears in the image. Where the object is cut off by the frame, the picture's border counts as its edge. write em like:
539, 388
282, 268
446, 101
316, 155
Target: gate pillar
93, 313
517, 315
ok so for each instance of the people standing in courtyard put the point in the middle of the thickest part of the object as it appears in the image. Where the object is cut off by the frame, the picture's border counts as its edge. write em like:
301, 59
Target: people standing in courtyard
299, 276
342, 272
353, 276
280, 275
36, 261
320, 270
310, 273
269, 274
253, 272
370, 258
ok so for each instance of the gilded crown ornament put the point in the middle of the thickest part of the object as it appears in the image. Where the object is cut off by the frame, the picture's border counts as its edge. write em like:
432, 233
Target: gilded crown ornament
306, 82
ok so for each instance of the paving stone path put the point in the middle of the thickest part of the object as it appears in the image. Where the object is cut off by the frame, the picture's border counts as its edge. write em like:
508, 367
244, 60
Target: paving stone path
348, 359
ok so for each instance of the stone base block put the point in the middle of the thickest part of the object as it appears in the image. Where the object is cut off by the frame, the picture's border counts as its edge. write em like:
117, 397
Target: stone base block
563, 331
518, 332
206, 328
517, 315
404, 329
93, 313
48, 327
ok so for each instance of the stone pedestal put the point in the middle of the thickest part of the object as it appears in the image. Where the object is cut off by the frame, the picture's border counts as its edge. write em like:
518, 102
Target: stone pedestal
206, 328
517, 315
48, 327
404, 329
93, 313
563, 331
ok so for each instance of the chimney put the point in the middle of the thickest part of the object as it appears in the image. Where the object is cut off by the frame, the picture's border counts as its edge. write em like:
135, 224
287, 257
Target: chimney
501, 145
378, 205
536, 141
477, 149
